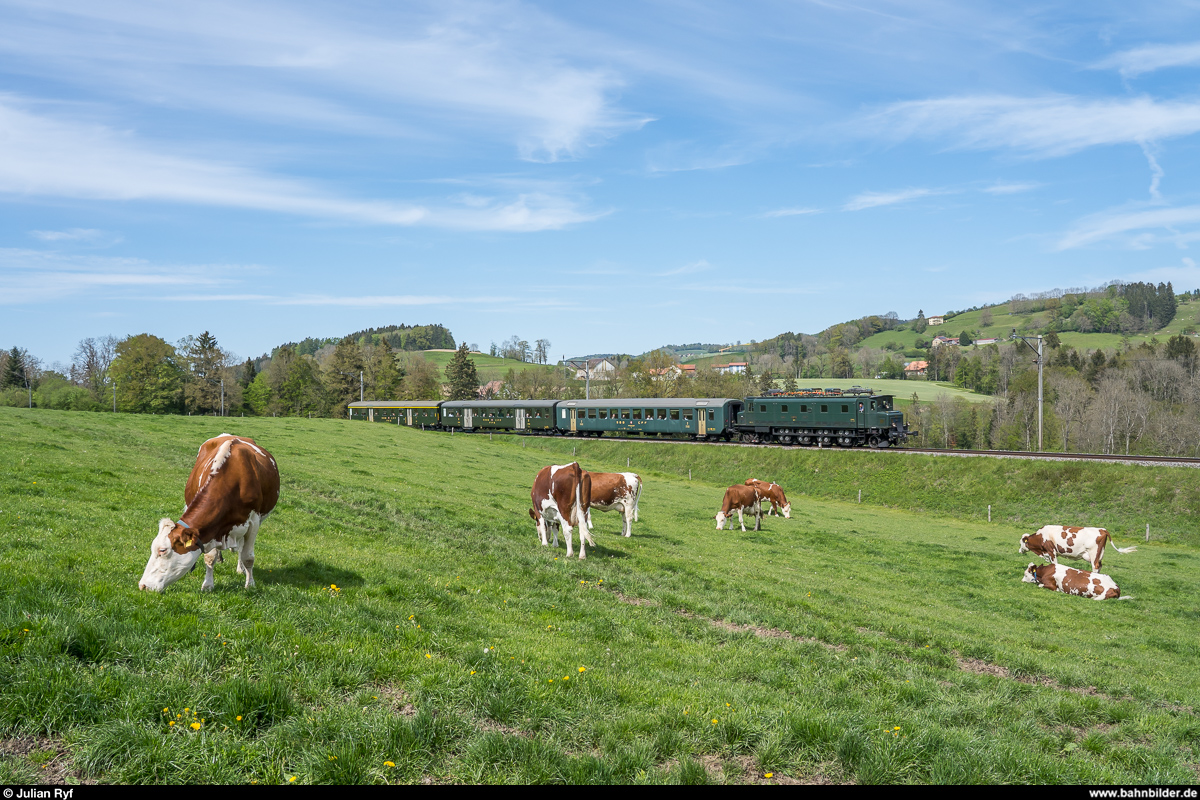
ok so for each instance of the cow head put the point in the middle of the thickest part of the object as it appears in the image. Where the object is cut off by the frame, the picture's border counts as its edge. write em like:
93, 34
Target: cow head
173, 554
1025, 542
787, 510
1031, 575
720, 518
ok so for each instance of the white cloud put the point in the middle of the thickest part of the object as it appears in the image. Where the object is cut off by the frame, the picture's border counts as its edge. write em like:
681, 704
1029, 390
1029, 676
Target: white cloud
876, 199
1043, 126
1011, 188
1137, 228
34, 276
791, 212
504, 69
83, 235
1151, 57
50, 157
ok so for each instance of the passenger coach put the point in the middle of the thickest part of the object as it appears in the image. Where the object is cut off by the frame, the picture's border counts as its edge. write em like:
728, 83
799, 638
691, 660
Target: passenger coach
700, 418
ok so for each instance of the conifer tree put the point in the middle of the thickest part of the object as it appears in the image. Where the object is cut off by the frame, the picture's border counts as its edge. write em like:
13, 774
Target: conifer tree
461, 375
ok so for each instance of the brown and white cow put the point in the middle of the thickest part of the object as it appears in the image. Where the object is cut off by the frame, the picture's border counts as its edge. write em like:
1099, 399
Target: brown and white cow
740, 498
1085, 544
1058, 578
774, 493
234, 485
561, 495
616, 490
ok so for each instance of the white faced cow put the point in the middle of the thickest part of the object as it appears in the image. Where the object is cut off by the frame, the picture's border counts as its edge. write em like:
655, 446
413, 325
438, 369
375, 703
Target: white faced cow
1085, 544
233, 487
774, 493
740, 498
561, 495
1058, 578
619, 490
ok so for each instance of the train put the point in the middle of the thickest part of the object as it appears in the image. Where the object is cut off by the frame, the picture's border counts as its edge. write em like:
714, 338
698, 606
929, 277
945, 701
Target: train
855, 417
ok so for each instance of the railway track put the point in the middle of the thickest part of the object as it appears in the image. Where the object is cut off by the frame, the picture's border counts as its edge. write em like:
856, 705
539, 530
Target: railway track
1162, 461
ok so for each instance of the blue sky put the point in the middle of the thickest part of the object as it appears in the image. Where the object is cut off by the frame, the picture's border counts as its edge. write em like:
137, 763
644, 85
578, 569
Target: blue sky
610, 177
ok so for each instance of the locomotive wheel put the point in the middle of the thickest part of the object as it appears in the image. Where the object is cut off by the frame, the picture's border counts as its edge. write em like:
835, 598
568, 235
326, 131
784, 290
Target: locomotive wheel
785, 439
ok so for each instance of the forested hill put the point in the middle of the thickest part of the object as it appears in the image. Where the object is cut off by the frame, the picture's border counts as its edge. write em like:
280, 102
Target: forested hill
398, 337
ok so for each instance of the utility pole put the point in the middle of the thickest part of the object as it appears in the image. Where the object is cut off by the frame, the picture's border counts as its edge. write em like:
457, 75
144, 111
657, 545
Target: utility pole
360, 386
222, 397
1040, 361
114, 397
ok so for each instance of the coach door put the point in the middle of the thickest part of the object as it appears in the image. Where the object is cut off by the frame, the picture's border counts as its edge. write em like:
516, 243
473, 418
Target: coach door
520, 419
410, 417
467, 423
702, 420
573, 428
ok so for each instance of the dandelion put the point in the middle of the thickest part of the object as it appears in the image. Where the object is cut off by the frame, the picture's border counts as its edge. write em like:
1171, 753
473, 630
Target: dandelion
566, 677
714, 721
428, 656
292, 779
239, 719
388, 764
195, 726
583, 669
169, 724
165, 710
769, 775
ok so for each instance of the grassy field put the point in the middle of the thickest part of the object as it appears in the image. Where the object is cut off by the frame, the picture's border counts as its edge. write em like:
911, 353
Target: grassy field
487, 368
408, 627
903, 391
1188, 314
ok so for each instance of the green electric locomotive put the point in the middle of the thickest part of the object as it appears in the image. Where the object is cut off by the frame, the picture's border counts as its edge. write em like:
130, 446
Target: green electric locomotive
836, 417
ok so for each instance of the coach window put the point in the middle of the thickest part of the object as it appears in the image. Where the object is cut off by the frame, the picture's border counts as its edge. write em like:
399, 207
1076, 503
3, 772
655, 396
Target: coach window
603, 413
662, 413
637, 413
687, 413
712, 415
612, 413
674, 413
591, 413
624, 413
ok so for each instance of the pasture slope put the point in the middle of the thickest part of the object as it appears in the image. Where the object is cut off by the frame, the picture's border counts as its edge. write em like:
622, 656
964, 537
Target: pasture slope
407, 626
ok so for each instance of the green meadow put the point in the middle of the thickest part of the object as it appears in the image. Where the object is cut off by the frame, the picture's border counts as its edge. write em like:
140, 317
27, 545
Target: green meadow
407, 626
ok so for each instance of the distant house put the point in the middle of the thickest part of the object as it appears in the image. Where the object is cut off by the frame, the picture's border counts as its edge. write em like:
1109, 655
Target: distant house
490, 389
598, 369
940, 340
733, 367
986, 341
916, 367
935, 321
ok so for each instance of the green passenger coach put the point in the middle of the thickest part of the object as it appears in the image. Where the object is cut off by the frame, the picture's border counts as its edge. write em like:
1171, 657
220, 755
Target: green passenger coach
700, 418
414, 413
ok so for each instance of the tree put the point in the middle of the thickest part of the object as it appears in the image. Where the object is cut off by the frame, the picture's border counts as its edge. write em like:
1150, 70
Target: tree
421, 379
965, 340
382, 375
985, 319
14, 369
206, 364
461, 375
919, 325
148, 375
90, 365
344, 376
542, 350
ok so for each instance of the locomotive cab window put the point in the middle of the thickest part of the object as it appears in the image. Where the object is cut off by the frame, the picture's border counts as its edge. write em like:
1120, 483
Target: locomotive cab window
762, 409
824, 409
845, 409
783, 408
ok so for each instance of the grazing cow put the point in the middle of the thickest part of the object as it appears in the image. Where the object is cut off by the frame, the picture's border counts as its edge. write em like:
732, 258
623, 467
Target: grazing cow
1058, 578
233, 487
620, 490
1085, 544
740, 498
774, 493
561, 495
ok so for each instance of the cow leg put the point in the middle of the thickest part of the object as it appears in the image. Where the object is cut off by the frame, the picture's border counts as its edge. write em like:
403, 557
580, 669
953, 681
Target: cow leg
758, 516
566, 526
210, 558
741, 521
628, 520
246, 555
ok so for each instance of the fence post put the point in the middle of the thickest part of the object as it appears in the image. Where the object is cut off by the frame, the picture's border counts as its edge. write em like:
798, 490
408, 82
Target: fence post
860, 495
1147, 531
989, 512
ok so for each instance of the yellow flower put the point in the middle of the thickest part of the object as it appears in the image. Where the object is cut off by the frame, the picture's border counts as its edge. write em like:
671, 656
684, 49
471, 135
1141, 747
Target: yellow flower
769, 775
714, 722
388, 764
291, 779
239, 719
428, 656
165, 710
583, 669
195, 726
169, 724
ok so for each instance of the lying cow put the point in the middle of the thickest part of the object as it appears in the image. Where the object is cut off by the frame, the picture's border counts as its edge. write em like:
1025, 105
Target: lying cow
774, 493
561, 496
616, 490
1058, 578
234, 485
740, 498
1085, 544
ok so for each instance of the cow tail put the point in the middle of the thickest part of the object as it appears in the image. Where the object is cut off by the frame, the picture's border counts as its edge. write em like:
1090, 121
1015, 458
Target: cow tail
637, 497
1123, 551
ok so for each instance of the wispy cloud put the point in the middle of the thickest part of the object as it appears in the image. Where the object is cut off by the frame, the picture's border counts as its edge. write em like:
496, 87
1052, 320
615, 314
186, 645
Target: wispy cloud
81, 235
51, 157
687, 269
35, 276
1152, 57
1041, 126
1135, 228
876, 199
791, 212
1011, 188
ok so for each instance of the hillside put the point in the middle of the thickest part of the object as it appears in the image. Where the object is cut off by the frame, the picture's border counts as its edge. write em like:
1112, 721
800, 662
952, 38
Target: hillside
487, 368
